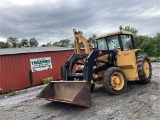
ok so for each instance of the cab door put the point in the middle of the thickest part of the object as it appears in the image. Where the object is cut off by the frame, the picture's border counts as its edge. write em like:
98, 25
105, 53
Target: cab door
126, 59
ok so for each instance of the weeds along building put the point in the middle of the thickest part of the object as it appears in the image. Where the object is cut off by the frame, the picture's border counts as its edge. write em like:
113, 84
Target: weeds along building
18, 66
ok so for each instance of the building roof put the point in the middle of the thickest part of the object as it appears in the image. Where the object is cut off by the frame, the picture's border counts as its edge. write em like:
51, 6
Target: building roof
113, 33
10, 51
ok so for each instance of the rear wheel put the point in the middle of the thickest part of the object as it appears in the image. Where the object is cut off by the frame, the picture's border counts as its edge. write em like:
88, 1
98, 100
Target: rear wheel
114, 81
144, 69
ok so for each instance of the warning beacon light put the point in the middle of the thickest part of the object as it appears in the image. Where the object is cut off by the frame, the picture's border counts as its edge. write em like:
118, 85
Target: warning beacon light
120, 28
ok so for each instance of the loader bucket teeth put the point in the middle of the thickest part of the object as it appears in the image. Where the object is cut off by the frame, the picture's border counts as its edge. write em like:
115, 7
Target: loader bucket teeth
73, 92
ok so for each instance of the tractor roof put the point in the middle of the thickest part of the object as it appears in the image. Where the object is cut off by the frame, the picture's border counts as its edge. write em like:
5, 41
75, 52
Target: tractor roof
113, 33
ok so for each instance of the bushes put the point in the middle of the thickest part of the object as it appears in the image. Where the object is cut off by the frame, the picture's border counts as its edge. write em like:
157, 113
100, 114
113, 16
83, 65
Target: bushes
11, 91
47, 80
1, 91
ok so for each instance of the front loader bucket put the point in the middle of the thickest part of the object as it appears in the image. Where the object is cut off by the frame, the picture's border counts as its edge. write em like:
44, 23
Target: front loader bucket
73, 92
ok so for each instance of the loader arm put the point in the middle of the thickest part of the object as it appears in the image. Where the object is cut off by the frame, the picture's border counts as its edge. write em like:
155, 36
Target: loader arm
78, 36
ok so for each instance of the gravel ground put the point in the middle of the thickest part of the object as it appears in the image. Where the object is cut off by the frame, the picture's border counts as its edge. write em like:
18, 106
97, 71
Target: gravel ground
137, 103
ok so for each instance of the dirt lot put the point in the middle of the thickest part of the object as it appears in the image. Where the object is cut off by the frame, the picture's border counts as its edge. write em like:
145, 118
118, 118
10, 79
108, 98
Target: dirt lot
138, 102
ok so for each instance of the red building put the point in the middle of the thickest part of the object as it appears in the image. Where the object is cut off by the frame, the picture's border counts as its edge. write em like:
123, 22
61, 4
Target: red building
15, 64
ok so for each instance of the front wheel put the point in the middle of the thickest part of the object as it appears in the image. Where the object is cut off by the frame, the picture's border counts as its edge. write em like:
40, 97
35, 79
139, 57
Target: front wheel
114, 81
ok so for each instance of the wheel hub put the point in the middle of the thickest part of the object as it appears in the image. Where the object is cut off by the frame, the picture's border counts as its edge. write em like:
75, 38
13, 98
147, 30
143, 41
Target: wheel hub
146, 68
117, 81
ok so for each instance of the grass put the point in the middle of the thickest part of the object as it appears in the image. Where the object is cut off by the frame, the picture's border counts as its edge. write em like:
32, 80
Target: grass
47, 80
12, 91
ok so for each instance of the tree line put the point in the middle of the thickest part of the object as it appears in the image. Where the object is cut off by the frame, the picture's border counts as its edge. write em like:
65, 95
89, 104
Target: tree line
148, 45
69, 43
13, 42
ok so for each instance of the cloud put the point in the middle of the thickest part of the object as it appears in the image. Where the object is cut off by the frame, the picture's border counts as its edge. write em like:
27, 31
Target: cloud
54, 20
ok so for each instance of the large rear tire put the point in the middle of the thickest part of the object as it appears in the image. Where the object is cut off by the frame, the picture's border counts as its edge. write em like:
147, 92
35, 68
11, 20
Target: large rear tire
144, 69
114, 81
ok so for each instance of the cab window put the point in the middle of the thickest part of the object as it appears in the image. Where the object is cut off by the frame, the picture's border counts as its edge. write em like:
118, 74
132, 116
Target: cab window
126, 42
102, 45
113, 42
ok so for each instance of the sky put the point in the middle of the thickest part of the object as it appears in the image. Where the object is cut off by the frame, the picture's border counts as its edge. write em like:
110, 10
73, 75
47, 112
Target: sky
53, 20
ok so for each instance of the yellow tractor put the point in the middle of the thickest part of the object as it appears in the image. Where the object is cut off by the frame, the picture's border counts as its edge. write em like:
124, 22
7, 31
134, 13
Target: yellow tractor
113, 63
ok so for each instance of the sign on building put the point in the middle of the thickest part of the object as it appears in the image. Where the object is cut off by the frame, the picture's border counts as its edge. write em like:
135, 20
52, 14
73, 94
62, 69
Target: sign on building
39, 64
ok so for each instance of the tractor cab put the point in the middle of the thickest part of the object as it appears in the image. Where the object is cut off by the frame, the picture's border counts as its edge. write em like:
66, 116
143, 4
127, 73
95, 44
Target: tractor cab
125, 56
118, 40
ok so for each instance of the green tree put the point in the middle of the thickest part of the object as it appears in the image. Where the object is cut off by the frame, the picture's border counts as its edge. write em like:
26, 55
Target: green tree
141, 40
156, 43
149, 45
49, 44
43, 45
62, 43
81, 44
55, 44
19, 45
33, 42
145, 43
13, 42
134, 31
91, 40
24, 43
4, 45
